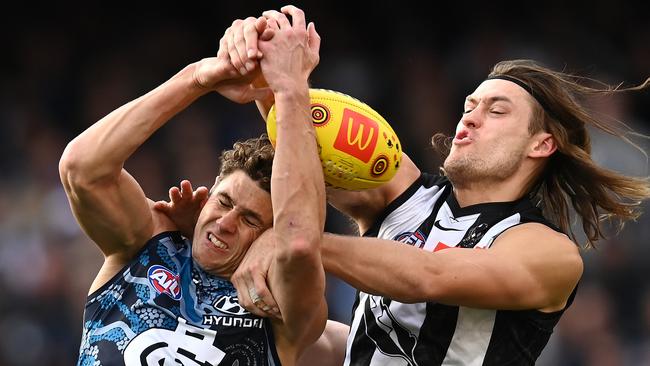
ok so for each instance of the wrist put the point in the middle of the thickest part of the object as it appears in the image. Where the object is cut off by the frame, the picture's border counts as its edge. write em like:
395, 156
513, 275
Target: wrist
203, 76
290, 88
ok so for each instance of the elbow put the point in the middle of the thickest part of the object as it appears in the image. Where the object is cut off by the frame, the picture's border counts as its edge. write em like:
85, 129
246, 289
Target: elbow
69, 166
77, 172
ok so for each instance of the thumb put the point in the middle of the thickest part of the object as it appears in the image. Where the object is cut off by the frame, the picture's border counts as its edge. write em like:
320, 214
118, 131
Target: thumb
267, 34
314, 37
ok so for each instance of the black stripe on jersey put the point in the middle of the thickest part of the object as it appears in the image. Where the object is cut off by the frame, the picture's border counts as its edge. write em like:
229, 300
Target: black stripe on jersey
362, 347
435, 334
534, 322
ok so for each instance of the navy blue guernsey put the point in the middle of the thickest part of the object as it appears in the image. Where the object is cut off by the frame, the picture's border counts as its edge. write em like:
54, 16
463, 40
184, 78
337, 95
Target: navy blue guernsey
387, 332
161, 309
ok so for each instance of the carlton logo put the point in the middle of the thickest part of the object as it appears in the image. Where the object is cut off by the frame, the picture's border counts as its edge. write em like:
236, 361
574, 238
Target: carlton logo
165, 281
357, 135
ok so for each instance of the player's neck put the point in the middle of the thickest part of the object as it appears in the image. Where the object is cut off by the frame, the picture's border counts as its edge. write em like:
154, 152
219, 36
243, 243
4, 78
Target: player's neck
491, 188
486, 191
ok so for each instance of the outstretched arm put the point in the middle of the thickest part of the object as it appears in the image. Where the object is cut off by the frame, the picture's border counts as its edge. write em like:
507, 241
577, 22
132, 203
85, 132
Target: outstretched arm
297, 185
529, 266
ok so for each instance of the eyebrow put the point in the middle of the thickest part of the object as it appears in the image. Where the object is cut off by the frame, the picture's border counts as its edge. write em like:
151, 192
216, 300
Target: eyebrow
490, 100
244, 210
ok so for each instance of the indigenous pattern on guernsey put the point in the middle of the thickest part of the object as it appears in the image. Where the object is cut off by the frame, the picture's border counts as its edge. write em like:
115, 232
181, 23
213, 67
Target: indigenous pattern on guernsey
387, 332
161, 309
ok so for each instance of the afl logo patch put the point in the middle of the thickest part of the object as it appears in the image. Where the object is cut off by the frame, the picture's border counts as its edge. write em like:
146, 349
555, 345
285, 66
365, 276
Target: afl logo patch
416, 239
320, 115
165, 281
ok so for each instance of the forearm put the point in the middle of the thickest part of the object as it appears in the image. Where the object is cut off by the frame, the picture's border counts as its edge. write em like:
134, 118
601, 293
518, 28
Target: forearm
298, 195
101, 150
298, 189
381, 267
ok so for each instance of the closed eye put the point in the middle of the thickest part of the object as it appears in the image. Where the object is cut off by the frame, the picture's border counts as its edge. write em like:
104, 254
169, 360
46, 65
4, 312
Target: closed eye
251, 222
224, 203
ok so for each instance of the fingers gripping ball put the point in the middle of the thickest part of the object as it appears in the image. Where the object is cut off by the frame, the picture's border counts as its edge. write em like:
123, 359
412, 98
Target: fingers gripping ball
358, 148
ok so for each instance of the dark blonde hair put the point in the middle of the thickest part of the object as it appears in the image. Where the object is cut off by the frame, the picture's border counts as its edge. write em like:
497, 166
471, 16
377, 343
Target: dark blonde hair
253, 156
571, 179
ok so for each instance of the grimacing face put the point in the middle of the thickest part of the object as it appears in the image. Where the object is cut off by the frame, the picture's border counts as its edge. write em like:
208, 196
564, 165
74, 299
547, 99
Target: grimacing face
236, 213
492, 136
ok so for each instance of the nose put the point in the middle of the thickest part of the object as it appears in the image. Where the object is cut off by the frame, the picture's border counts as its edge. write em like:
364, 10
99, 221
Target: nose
228, 222
472, 119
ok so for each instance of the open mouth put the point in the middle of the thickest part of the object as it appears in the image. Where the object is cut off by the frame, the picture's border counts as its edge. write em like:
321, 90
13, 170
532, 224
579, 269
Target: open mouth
217, 243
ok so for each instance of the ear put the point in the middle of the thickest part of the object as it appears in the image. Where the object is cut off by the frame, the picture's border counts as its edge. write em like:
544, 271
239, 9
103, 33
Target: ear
543, 145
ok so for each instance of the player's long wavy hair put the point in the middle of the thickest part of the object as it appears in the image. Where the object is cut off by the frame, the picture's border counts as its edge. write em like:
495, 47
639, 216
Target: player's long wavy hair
254, 157
571, 179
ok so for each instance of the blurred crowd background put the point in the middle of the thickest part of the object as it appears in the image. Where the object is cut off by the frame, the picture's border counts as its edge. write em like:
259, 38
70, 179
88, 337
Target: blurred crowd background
63, 68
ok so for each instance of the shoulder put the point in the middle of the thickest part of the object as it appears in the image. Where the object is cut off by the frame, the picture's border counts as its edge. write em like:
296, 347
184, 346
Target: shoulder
539, 233
538, 237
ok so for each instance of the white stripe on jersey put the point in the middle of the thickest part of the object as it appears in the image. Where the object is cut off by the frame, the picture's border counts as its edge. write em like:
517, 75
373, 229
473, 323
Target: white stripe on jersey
379, 358
415, 210
471, 337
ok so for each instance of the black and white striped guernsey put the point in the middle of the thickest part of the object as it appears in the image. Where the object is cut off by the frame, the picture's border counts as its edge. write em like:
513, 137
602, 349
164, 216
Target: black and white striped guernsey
387, 332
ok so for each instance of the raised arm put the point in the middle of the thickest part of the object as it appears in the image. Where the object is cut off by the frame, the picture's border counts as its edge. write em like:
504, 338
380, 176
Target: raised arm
296, 276
108, 203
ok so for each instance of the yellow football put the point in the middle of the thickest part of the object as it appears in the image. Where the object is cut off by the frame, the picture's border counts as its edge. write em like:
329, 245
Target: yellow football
358, 148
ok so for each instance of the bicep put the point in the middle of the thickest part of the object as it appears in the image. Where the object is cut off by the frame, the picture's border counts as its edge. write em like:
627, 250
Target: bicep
115, 214
528, 267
